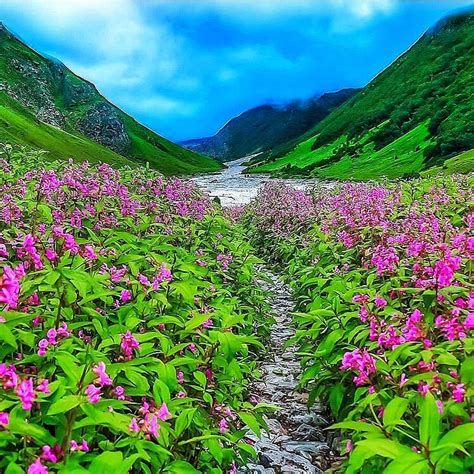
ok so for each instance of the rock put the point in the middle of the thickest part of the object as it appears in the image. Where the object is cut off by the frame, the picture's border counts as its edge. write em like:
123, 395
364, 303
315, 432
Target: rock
295, 442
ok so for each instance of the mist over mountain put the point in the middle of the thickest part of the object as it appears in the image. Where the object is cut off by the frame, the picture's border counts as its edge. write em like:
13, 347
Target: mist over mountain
266, 126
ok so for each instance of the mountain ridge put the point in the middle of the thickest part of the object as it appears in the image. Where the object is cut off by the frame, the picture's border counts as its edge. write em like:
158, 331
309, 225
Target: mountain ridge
424, 97
264, 126
60, 98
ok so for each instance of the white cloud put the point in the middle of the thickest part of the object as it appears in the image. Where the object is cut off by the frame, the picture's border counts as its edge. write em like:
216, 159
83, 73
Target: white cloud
254, 10
145, 65
158, 105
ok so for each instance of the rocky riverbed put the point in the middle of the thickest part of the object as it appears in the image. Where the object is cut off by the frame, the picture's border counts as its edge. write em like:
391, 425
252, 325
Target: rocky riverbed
234, 187
296, 442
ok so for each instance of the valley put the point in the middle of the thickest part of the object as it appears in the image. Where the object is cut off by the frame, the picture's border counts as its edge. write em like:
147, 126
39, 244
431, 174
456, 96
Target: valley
291, 295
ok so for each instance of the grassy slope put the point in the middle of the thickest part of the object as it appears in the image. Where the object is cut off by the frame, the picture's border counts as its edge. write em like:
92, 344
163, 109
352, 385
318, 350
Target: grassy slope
404, 156
19, 125
430, 82
401, 157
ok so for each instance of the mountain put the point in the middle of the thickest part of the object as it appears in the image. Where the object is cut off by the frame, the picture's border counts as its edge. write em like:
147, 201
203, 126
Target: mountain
416, 114
264, 127
44, 105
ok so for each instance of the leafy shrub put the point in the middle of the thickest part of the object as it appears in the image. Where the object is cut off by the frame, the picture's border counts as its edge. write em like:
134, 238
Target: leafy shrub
128, 319
383, 277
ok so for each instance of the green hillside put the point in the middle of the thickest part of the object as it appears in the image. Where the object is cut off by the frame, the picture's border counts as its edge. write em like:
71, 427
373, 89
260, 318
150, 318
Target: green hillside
416, 114
44, 105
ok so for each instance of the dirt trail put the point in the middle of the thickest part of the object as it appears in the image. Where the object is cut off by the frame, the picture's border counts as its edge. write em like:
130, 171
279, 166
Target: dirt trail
296, 442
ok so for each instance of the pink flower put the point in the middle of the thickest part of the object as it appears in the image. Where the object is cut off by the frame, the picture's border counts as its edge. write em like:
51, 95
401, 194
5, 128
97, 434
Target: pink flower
361, 362
4, 418
79, 447
360, 299
50, 455
42, 346
439, 404
164, 274
43, 386
26, 394
9, 288
93, 393
349, 446
128, 344
51, 255
37, 468
208, 324
180, 377
458, 392
413, 330
99, 370
444, 270
125, 296
209, 374
223, 425
119, 392
163, 413
153, 426
380, 302
89, 253
423, 388
143, 280
133, 426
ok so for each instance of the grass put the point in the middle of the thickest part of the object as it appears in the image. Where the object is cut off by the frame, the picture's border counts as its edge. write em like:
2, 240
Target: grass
462, 163
17, 126
402, 157
301, 156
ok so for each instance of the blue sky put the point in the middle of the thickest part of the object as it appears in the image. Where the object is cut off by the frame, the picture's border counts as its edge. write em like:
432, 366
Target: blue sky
184, 67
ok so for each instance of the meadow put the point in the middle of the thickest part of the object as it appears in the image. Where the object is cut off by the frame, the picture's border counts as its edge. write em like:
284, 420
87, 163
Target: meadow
382, 274
132, 319
129, 316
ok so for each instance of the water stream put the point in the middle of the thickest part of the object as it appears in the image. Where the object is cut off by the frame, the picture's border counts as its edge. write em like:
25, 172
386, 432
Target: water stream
234, 188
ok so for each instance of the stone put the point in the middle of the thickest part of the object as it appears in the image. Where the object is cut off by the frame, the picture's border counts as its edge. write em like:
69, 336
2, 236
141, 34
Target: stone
295, 442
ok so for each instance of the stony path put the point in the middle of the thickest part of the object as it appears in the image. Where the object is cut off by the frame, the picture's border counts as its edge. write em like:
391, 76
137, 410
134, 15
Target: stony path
296, 442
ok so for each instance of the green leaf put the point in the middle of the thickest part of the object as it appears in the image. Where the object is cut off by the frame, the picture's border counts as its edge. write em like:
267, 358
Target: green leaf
106, 463
24, 428
181, 467
384, 447
65, 404
356, 426
7, 337
430, 421
184, 420
453, 440
336, 395
200, 377
14, 468
410, 463
394, 411
250, 421
70, 366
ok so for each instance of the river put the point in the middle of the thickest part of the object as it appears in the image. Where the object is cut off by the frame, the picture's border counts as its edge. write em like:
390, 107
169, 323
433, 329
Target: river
234, 188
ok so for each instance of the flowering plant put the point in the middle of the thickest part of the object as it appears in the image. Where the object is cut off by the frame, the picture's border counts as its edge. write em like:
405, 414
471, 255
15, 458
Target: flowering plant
383, 278
128, 313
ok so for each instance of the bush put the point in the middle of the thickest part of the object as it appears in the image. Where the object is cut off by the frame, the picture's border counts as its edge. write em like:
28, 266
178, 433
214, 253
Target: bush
383, 279
128, 317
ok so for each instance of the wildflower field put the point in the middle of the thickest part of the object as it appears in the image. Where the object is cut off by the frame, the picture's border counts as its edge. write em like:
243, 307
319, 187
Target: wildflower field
383, 276
131, 319
128, 319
